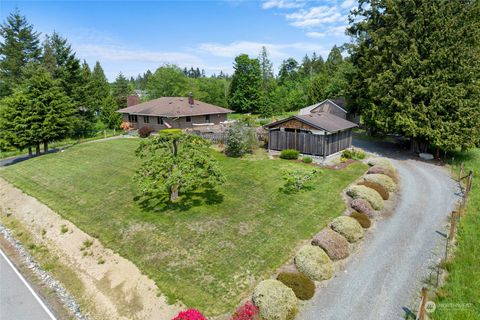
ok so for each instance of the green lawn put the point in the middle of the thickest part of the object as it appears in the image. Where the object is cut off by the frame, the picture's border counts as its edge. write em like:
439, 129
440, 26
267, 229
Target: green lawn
460, 297
209, 253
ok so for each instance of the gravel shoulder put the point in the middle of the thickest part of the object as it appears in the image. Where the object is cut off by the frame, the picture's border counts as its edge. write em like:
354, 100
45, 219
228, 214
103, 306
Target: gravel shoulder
380, 280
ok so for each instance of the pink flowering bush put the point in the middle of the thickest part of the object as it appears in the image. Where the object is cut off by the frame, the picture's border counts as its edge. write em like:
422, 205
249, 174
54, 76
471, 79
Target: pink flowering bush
190, 314
246, 312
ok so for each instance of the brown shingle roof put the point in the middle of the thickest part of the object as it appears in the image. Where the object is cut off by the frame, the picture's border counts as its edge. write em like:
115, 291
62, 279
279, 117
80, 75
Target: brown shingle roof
173, 107
321, 121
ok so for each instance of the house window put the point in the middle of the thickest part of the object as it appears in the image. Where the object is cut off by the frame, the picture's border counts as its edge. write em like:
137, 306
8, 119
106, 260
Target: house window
207, 118
146, 119
188, 119
159, 120
132, 118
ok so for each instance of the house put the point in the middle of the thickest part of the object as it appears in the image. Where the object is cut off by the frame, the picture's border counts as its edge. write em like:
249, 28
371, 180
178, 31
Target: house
333, 106
173, 112
315, 133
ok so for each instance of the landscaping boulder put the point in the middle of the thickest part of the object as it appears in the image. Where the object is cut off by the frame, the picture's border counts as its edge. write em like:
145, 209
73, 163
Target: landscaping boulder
313, 262
302, 286
377, 187
363, 192
275, 300
362, 205
348, 227
362, 218
426, 156
384, 180
333, 243
379, 169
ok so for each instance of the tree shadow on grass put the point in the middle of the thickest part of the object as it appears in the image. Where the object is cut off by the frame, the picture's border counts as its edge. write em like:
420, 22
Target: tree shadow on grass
162, 203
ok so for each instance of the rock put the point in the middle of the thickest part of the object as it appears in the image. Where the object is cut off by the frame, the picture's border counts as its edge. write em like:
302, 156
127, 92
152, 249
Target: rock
348, 227
302, 286
363, 192
275, 300
362, 218
363, 206
333, 243
426, 156
313, 262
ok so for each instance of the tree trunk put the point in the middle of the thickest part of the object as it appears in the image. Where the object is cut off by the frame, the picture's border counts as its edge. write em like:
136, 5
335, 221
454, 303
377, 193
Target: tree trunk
30, 152
174, 193
45, 146
437, 153
37, 149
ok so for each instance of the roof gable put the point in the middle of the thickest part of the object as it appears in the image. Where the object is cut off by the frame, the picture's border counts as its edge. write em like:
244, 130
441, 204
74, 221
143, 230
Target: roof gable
320, 121
338, 103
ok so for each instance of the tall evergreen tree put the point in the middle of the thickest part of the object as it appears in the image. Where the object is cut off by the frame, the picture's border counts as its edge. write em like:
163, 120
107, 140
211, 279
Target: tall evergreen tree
121, 90
418, 69
245, 94
19, 45
99, 88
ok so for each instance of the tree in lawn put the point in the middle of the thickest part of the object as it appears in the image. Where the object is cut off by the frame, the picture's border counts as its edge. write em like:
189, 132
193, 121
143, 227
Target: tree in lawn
417, 70
121, 90
176, 163
19, 45
245, 88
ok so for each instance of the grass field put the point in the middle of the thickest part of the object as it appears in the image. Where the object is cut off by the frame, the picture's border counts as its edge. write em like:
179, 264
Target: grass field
460, 297
208, 253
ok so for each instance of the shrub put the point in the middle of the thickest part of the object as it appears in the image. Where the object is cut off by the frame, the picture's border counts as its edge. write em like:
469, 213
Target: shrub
126, 126
190, 314
348, 227
275, 300
240, 139
314, 263
170, 131
363, 192
302, 286
362, 218
307, 160
377, 187
363, 206
289, 154
248, 311
352, 153
388, 172
383, 162
383, 180
145, 131
297, 180
334, 244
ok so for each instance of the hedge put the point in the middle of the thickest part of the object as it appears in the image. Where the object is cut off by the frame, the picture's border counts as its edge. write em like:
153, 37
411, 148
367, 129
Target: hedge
348, 227
363, 192
302, 286
275, 300
289, 154
384, 180
313, 262
377, 187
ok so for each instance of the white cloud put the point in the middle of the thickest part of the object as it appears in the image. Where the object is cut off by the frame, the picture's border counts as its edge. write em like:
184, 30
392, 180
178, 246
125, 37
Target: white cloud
282, 4
276, 51
315, 16
348, 4
329, 31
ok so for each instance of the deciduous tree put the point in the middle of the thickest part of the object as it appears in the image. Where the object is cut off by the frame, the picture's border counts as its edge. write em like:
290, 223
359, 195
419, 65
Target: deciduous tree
245, 94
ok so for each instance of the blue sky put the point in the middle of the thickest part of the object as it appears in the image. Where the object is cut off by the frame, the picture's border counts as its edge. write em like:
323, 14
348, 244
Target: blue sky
133, 36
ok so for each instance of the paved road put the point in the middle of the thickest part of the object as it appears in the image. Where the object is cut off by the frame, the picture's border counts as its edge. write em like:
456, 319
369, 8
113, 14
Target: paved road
380, 280
17, 299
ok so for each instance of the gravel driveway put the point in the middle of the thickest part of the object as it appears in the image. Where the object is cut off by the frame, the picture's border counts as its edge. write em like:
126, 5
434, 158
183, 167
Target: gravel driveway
382, 279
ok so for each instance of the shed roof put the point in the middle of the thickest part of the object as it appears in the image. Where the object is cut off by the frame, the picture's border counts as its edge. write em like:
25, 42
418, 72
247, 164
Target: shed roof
171, 107
321, 121
340, 103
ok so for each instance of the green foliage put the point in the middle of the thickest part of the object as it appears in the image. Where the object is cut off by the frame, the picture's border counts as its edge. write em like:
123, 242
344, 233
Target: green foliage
289, 154
362, 219
348, 227
297, 180
417, 68
383, 180
355, 154
121, 91
167, 81
240, 139
313, 262
175, 163
302, 286
245, 89
109, 115
307, 160
275, 300
382, 191
145, 131
363, 192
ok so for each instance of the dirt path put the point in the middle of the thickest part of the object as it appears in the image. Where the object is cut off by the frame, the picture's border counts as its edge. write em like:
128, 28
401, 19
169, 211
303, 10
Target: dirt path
113, 285
379, 281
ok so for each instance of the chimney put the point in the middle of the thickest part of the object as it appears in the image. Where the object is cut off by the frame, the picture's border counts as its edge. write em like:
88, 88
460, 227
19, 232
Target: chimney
132, 100
190, 99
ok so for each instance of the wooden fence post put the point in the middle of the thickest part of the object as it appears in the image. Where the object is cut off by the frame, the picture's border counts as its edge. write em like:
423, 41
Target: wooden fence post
421, 311
453, 225
462, 171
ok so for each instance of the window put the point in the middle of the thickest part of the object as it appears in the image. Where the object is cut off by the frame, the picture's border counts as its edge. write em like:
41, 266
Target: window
159, 120
207, 118
146, 119
188, 119
132, 118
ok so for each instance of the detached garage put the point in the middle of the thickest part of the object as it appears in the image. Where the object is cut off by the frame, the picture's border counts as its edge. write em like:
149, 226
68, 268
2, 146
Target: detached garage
317, 134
